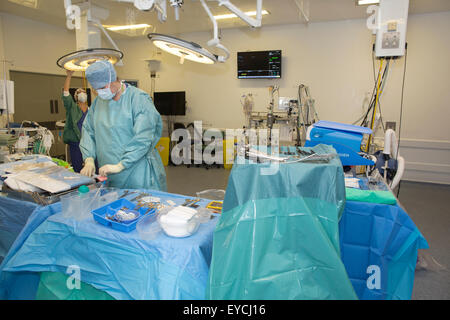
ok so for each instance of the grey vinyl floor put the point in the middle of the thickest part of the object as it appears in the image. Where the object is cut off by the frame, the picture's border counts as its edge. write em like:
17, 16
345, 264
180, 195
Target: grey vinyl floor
428, 205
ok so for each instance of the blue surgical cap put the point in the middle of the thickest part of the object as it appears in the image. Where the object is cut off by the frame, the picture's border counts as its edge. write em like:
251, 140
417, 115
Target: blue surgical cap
100, 73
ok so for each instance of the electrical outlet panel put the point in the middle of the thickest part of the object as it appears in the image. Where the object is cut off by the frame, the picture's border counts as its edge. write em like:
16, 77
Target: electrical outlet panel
391, 34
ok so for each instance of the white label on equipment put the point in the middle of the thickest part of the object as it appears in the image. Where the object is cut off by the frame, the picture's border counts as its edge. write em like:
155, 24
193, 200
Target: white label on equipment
22, 143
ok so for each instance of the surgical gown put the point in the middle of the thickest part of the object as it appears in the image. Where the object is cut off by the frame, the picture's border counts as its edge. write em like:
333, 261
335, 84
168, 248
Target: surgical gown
126, 131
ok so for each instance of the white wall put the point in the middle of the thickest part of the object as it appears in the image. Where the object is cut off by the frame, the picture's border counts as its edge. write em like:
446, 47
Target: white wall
332, 58
2, 49
34, 46
3, 117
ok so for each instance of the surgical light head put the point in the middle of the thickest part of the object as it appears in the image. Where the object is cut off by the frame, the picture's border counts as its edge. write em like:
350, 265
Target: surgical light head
81, 60
183, 49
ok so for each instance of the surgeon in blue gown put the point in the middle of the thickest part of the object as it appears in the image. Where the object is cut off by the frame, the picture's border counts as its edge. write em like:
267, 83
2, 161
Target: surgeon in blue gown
121, 131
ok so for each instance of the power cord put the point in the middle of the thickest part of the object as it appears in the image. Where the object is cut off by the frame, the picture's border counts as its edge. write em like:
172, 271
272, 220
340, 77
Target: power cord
401, 111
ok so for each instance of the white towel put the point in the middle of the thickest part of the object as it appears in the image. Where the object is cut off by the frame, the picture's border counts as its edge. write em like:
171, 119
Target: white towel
179, 215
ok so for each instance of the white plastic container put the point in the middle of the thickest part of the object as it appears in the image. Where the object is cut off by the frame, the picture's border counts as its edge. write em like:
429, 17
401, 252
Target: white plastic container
148, 227
179, 222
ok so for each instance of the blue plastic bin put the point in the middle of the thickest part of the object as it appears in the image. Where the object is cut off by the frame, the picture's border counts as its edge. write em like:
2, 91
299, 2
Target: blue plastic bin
110, 209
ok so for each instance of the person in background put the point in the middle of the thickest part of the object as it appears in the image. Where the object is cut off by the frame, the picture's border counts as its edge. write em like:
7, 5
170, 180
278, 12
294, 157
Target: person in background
121, 132
76, 111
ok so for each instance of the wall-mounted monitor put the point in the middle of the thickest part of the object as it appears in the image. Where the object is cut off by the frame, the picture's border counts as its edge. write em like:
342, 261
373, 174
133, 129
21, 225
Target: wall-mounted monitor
133, 83
170, 103
259, 64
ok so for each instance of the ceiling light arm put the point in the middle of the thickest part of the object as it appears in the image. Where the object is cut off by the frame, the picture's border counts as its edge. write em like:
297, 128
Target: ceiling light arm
100, 26
176, 4
67, 4
147, 5
255, 23
301, 8
215, 42
161, 7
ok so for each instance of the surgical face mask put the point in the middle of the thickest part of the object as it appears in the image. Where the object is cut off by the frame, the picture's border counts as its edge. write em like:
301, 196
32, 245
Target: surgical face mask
82, 97
106, 94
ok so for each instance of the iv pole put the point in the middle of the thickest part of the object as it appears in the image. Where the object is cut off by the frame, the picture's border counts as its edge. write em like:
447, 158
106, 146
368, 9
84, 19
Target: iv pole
5, 94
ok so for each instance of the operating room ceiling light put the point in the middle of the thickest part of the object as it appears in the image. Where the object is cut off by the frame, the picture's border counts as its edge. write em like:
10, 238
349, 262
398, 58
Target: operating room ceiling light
183, 49
81, 60
232, 15
194, 52
367, 2
27, 3
128, 27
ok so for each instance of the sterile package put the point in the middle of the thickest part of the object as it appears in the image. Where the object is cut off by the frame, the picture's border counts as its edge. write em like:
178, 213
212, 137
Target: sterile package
126, 215
34, 163
18, 185
179, 221
211, 194
352, 183
41, 175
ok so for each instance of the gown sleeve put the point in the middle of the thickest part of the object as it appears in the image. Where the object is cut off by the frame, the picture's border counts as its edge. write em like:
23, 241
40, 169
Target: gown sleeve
87, 142
147, 130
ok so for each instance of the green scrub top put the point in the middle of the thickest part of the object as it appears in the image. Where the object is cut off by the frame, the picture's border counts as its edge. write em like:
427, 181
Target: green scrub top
73, 115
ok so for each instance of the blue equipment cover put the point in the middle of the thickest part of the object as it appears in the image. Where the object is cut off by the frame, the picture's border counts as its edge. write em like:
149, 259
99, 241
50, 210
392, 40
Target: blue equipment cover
384, 236
118, 263
346, 139
278, 235
342, 127
13, 217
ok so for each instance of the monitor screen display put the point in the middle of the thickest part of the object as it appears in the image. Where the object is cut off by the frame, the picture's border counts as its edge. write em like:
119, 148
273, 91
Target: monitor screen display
259, 64
133, 83
170, 103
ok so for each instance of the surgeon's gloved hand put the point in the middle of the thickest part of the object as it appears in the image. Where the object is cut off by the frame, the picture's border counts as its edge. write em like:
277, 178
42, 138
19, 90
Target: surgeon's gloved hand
89, 167
111, 168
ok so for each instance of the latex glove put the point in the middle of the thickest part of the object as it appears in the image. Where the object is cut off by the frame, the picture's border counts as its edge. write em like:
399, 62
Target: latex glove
111, 168
89, 167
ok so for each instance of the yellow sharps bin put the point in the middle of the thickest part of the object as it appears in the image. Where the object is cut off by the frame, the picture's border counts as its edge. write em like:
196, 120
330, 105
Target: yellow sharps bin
228, 153
164, 149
